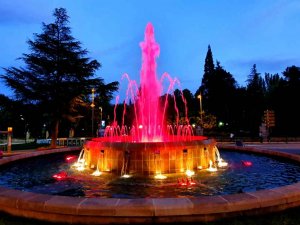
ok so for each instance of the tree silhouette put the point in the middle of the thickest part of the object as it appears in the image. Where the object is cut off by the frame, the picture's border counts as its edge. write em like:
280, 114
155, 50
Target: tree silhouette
209, 69
218, 89
289, 111
58, 74
255, 100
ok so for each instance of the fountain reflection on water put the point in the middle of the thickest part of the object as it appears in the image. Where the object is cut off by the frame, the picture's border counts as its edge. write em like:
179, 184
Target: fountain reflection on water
149, 145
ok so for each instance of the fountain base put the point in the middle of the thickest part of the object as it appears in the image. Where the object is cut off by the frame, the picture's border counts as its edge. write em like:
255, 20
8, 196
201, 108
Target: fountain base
149, 157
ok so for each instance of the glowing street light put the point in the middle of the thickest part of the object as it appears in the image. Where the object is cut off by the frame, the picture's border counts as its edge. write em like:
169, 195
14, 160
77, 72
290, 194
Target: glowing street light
200, 101
93, 106
100, 114
9, 138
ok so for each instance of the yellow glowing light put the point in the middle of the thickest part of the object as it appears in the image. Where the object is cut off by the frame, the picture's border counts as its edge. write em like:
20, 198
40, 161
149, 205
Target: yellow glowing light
75, 164
222, 163
199, 167
96, 173
189, 173
80, 168
160, 176
78, 164
211, 168
126, 176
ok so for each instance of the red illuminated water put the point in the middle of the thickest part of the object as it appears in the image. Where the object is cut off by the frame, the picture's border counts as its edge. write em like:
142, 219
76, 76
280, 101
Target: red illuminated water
150, 145
149, 111
149, 123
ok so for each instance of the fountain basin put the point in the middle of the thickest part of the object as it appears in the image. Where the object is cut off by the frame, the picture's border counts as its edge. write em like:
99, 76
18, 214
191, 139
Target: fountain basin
149, 157
147, 210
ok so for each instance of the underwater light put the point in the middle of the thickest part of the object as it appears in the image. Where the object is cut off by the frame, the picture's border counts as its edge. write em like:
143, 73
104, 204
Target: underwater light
71, 158
60, 176
222, 163
96, 173
189, 173
126, 176
211, 168
246, 163
160, 176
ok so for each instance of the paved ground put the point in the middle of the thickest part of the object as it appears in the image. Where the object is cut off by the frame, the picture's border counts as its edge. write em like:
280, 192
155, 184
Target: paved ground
293, 147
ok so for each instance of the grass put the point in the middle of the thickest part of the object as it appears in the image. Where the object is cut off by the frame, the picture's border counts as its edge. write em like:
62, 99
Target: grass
287, 217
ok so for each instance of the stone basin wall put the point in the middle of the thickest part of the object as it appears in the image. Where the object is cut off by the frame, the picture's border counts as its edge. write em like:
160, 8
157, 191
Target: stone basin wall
149, 157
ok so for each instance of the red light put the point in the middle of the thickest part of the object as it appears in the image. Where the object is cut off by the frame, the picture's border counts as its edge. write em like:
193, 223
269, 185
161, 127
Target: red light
71, 158
192, 182
60, 176
181, 182
186, 182
247, 163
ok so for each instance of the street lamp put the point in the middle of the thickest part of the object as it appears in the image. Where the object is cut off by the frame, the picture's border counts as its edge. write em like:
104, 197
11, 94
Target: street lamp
100, 114
93, 106
9, 138
25, 127
200, 101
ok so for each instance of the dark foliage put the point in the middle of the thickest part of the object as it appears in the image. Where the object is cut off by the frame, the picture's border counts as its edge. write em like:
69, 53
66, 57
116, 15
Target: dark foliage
58, 75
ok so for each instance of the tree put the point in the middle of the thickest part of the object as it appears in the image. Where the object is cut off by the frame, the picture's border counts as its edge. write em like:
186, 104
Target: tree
58, 74
6, 110
288, 109
255, 83
292, 75
209, 69
222, 95
273, 83
255, 100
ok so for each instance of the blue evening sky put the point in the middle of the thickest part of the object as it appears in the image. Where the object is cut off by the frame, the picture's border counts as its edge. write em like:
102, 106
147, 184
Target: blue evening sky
241, 33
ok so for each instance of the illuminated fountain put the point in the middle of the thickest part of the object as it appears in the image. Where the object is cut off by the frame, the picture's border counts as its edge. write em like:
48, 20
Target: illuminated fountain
252, 186
149, 146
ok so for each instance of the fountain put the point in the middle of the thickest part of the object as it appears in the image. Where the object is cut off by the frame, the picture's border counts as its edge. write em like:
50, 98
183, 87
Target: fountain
259, 180
149, 145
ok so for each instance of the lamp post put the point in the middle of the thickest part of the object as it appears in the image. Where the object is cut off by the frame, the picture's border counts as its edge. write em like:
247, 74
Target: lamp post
100, 114
25, 127
9, 138
93, 106
200, 101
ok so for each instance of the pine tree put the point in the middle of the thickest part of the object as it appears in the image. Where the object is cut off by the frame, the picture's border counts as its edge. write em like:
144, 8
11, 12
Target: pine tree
209, 69
256, 104
58, 74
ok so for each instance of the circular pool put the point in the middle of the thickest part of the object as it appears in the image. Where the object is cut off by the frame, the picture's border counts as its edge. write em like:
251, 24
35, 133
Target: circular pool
246, 172
181, 209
